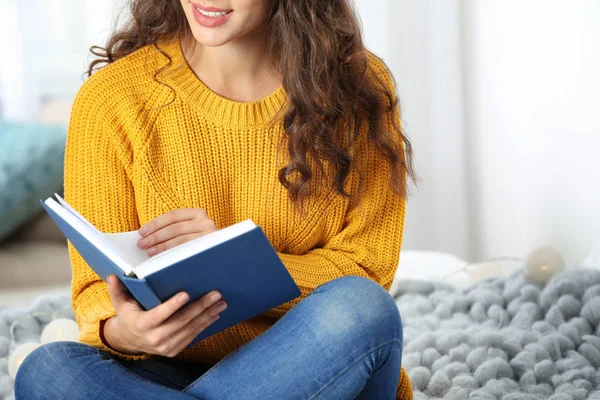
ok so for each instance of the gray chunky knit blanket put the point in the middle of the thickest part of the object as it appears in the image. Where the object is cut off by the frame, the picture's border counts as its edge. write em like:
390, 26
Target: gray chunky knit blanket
504, 339
27, 325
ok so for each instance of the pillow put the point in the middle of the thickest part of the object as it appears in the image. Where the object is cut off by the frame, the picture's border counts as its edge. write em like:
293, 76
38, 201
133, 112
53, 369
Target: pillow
41, 228
425, 266
437, 266
31, 168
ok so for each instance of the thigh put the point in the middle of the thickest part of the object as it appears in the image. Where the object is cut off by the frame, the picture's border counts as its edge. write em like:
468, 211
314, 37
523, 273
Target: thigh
70, 370
325, 341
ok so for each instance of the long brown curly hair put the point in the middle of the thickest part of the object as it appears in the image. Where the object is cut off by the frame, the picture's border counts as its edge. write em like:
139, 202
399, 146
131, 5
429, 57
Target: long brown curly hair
318, 50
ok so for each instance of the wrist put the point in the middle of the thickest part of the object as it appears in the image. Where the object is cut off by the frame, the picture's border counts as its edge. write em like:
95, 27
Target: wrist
113, 336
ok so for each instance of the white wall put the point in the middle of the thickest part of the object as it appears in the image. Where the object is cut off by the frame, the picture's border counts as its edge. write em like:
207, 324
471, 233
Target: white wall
420, 41
47, 44
502, 101
19, 93
533, 100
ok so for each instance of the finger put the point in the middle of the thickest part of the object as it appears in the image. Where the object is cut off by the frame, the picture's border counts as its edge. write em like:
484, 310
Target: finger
168, 218
186, 317
159, 314
200, 324
182, 337
181, 318
117, 292
169, 232
169, 244
185, 336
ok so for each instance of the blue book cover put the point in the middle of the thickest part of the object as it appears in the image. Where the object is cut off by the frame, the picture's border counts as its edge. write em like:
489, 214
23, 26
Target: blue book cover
245, 269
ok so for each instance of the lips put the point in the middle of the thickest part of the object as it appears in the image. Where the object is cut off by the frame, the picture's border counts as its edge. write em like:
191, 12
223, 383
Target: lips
209, 9
210, 17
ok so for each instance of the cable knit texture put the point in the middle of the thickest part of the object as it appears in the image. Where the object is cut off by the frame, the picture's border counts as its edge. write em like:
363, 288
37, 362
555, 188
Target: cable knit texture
139, 147
505, 338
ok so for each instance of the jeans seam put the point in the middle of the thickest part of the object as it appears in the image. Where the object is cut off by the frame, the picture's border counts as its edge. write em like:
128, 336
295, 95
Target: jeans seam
351, 365
88, 351
210, 371
86, 348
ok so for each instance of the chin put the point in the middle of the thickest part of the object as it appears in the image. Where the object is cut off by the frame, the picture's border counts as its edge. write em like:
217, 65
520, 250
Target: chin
212, 40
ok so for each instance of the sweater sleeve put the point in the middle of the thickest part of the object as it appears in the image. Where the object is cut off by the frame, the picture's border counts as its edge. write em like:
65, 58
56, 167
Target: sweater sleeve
98, 187
368, 244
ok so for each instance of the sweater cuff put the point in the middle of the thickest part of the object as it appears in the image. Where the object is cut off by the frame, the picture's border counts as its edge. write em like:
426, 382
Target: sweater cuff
91, 329
404, 391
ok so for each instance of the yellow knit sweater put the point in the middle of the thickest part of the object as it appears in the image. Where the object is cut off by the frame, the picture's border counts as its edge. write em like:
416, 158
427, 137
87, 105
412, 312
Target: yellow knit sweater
137, 148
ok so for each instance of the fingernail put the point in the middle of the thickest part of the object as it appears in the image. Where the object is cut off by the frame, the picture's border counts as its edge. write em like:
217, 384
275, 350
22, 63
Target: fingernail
151, 251
142, 243
215, 296
142, 230
182, 298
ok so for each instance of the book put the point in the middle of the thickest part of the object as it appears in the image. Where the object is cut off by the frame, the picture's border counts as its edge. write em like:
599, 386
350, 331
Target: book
238, 261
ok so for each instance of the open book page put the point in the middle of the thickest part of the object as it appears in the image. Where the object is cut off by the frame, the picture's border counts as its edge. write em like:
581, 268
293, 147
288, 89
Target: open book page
95, 237
192, 247
126, 244
75, 213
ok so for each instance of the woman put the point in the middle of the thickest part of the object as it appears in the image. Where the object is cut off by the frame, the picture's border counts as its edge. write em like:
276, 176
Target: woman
207, 114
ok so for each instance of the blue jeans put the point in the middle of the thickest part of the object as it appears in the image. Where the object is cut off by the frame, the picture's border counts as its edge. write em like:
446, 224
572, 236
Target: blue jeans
343, 341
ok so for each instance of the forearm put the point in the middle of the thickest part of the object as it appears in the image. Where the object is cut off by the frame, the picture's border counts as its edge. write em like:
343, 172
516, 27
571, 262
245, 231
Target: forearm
323, 265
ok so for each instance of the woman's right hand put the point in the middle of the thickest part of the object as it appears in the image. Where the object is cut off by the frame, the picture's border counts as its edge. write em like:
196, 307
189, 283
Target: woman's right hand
164, 330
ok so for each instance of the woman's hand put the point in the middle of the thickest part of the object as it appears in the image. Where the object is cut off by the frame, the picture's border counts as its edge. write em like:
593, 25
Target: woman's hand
174, 228
166, 329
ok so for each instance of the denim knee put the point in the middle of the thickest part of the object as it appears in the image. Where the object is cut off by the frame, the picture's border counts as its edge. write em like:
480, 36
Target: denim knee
355, 301
52, 362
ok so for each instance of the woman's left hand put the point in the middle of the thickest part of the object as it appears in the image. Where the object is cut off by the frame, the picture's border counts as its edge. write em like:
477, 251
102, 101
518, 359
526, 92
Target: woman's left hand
174, 228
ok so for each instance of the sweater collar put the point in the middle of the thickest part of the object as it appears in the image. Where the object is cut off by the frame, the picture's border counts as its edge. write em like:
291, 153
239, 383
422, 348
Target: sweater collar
219, 109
